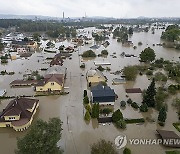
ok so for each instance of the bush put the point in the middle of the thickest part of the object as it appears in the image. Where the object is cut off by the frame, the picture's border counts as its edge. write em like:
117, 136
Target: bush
126, 151
143, 107
87, 116
106, 111
132, 121
117, 115
88, 54
86, 100
139, 43
129, 101
149, 72
104, 52
160, 77
123, 103
121, 124
100, 68
82, 66
85, 93
135, 105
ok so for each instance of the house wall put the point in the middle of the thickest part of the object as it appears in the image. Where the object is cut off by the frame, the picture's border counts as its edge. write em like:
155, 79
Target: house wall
7, 118
55, 87
24, 127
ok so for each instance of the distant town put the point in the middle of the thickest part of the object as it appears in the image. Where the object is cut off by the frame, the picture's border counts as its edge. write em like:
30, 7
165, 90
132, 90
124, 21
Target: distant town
73, 85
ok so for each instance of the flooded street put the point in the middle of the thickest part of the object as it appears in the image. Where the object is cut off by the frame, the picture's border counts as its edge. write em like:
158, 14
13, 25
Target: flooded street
77, 135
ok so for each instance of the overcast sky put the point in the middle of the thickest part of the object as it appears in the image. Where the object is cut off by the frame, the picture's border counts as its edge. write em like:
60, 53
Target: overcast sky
106, 8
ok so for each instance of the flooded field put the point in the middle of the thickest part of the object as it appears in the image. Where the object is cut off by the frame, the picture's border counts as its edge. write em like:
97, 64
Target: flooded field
77, 135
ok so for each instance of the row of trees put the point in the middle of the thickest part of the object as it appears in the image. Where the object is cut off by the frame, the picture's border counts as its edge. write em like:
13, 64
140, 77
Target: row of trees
171, 33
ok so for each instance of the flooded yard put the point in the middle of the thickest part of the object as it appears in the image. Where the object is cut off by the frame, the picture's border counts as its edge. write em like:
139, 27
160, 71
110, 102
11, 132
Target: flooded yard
77, 135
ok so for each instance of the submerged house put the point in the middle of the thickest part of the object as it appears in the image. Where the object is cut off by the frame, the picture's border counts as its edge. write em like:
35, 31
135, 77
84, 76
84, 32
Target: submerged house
19, 113
94, 76
53, 80
103, 95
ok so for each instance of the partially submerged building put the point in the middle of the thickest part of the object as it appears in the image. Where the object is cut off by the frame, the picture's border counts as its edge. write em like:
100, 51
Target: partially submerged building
53, 81
19, 113
94, 76
103, 95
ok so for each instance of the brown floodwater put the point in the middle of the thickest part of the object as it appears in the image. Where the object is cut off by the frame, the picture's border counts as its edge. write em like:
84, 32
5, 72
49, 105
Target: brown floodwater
77, 135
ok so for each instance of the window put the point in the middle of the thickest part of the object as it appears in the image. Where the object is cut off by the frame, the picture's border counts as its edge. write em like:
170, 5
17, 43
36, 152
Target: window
52, 83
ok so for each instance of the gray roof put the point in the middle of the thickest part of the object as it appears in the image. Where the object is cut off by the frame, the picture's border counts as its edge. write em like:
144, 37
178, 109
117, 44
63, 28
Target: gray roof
101, 91
56, 69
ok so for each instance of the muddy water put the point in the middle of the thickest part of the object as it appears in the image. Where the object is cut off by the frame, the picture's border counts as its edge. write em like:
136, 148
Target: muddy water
77, 136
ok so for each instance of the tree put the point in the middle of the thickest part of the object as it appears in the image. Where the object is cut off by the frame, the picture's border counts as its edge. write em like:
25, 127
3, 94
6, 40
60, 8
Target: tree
36, 37
88, 54
129, 101
135, 105
117, 115
42, 138
130, 31
87, 116
123, 103
100, 68
121, 124
130, 72
85, 93
126, 151
149, 96
162, 116
103, 147
171, 33
143, 107
104, 52
147, 55
95, 111
86, 100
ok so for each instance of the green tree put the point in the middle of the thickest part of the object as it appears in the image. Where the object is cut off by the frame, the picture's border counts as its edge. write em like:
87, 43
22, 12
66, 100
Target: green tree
86, 100
129, 101
95, 111
126, 151
103, 147
162, 115
143, 107
87, 116
85, 93
117, 115
149, 96
42, 138
121, 124
89, 54
36, 37
147, 55
130, 72
130, 30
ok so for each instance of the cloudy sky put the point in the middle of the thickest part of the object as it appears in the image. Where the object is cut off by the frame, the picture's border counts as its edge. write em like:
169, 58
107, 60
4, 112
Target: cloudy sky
106, 8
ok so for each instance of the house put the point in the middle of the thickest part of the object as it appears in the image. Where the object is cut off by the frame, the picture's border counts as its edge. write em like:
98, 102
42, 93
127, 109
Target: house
53, 80
19, 113
22, 50
51, 83
94, 76
104, 95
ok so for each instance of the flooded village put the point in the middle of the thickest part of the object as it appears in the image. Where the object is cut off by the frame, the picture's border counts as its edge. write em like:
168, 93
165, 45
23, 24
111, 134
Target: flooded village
96, 80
